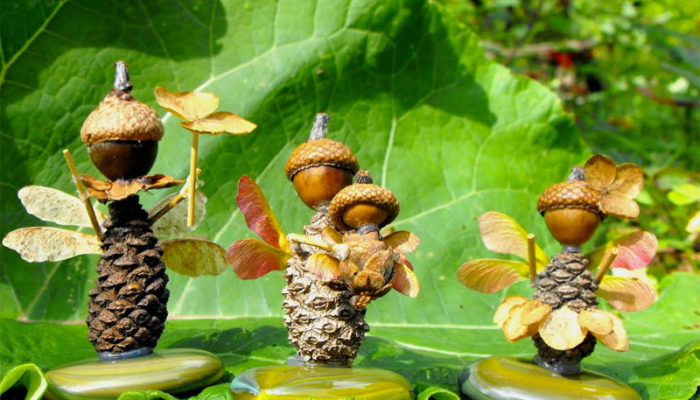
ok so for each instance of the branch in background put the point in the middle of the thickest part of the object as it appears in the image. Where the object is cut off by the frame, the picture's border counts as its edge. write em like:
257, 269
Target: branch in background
539, 49
534, 16
678, 102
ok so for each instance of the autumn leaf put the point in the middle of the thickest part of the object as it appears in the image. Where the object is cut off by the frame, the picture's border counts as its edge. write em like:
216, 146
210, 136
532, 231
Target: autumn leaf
189, 106
194, 257
490, 275
252, 258
626, 294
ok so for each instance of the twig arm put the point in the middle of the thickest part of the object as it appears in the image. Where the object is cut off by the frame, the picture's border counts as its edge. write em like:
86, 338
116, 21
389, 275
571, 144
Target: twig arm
605, 265
531, 256
83, 196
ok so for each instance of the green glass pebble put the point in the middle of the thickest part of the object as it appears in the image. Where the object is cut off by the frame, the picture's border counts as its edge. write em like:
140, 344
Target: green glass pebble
169, 370
498, 378
317, 382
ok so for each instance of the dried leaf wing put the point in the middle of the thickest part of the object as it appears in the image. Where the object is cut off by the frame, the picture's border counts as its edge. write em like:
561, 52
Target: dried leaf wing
536, 313
513, 328
189, 106
488, 275
194, 257
174, 222
629, 181
626, 294
323, 266
617, 339
405, 281
596, 321
402, 241
38, 244
258, 214
53, 205
635, 250
220, 122
502, 234
561, 330
253, 258
503, 310
599, 171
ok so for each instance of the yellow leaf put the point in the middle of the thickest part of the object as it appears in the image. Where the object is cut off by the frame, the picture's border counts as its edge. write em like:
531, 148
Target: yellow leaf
38, 244
189, 106
54, 205
323, 266
488, 276
626, 294
220, 122
561, 330
502, 234
595, 321
617, 339
174, 222
194, 257
503, 310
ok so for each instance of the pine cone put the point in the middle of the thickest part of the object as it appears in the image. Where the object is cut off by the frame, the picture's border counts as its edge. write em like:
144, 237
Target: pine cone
322, 322
127, 309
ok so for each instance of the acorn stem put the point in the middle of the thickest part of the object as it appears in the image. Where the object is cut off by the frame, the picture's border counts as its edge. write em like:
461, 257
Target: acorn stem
576, 174
121, 77
605, 265
83, 196
531, 256
172, 203
193, 179
320, 127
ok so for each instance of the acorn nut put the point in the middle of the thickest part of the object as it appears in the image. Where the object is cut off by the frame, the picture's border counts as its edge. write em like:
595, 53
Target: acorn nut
571, 211
363, 204
122, 133
320, 168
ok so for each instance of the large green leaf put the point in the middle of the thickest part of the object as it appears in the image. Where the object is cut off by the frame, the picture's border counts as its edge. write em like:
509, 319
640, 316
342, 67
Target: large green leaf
449, 132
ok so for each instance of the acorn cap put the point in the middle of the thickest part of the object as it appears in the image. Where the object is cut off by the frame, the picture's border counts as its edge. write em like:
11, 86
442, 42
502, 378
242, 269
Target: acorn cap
569, 194
317, 152
121, 117
362, 193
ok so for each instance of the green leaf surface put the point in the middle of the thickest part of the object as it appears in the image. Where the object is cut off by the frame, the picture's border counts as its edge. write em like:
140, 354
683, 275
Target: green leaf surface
450, 133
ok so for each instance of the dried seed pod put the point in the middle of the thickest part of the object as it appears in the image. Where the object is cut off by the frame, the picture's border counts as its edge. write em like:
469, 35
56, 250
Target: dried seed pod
320, 167
122, 133
363, 204
571, 211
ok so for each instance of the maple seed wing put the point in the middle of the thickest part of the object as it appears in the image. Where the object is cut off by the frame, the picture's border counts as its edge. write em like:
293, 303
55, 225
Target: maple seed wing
174, 222
599, 172
405, 281
635, 250
189, 106
402, 241
194, 257
53, 205
488, 276
220, 122
629, 181
331, 236
323, 266
258, 214
626, 294
252, 258
502, 234
38, 244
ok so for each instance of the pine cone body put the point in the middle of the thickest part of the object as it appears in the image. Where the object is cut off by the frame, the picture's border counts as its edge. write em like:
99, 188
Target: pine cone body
322, 322
127, 309
566, 281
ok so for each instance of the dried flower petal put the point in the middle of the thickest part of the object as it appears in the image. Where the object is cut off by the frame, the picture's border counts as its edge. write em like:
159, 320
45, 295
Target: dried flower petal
561, 330
503, 311
189, 106
596, 321
617, 186
323, 266
617, 339
121, 189
513, 328
220, 122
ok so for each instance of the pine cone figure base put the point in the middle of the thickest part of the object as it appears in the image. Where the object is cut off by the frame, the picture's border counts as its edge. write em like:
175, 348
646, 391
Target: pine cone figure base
563, 362
127, 309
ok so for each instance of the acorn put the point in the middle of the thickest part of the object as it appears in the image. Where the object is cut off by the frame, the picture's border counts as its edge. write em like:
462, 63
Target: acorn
320, 167
122, 133
363, 204
571, 210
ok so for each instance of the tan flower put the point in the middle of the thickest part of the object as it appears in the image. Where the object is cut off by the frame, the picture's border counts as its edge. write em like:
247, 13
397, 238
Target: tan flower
618, 185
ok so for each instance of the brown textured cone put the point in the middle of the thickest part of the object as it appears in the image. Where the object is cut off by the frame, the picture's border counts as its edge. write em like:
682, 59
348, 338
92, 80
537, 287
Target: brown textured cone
321, 152
127, 308
362, 193
121, 117
569, 194
566, 281
323, 324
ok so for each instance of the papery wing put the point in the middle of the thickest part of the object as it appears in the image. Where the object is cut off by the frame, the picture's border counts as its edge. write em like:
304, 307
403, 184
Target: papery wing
38, 244
194, 257
599, 172
252, 258
488, 276
405, 281
189, 106
53, 205
635, 250
258, 214
402, 241
220, 122
502, 234
174, 222
626, 294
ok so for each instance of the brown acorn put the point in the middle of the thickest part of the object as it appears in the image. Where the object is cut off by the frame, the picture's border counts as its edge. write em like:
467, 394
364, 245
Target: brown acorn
122, 133
363, 203
571, 211
320, 167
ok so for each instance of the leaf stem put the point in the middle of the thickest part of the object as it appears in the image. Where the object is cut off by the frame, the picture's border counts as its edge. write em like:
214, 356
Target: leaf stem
173, 202
193, 181
83, 196
531, 256
605, 265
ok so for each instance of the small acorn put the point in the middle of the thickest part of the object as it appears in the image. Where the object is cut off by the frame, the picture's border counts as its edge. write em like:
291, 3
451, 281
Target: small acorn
320, 167
122, 133
571, 210
363, 204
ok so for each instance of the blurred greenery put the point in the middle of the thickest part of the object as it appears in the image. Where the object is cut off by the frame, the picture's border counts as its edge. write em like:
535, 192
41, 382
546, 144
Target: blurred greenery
629, 72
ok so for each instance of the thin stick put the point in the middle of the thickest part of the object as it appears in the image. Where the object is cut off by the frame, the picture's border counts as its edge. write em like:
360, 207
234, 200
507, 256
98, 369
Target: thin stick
531, 256
83, 195
605, 265
193, 181
172, 203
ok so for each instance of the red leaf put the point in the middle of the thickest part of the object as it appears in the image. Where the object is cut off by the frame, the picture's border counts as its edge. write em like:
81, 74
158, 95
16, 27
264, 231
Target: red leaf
258, 215
252, 258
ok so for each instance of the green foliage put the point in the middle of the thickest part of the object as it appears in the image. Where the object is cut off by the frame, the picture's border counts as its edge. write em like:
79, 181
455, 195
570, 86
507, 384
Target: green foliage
451, 133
